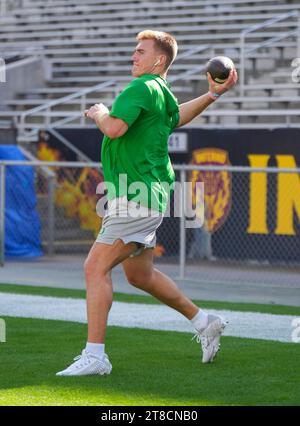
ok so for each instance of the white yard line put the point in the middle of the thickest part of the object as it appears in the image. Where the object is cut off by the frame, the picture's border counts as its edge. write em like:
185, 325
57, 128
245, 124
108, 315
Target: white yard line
153, 317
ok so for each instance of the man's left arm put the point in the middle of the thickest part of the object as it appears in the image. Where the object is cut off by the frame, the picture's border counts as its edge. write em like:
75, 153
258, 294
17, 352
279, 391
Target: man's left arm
189, 110
112, 127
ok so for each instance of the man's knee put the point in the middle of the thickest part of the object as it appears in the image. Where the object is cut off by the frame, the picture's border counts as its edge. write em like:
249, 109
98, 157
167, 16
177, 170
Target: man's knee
93, 267
88, 266
139, 279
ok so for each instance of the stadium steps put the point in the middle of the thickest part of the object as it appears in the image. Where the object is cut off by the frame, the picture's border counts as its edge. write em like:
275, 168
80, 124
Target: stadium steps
83, 37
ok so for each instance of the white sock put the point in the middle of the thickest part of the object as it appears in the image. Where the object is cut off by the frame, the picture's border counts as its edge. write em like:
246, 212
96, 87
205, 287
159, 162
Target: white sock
96, 349
200, 320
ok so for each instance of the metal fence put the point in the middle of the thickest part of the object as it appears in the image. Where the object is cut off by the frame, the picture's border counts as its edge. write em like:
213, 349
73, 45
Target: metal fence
251, 221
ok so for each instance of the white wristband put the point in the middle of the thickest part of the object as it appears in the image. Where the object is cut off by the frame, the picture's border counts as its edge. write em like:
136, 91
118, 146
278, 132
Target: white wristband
213, 96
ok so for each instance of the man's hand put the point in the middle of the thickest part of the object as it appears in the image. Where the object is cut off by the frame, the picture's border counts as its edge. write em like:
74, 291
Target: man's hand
111, 126
97, 111
217, 89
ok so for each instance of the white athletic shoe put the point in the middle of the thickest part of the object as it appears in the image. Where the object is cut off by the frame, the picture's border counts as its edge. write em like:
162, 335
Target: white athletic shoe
210, 336
87, 364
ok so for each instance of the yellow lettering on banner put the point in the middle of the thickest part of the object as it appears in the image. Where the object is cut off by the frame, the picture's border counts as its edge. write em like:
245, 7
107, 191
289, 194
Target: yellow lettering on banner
202, 156
258, 196
288, 196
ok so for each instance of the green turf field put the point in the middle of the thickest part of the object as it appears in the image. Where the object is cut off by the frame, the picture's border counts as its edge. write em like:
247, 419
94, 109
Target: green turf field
130, 298
149, 368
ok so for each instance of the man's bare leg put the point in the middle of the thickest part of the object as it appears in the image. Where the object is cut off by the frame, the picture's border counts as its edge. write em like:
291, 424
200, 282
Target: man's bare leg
98, 265
100, 261
141, 273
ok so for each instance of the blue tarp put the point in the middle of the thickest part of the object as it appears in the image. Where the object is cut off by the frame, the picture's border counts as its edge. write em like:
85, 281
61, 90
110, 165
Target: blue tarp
22, 222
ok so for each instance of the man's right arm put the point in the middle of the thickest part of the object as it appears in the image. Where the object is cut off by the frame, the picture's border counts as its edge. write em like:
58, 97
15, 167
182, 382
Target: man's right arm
125, 110
110, 126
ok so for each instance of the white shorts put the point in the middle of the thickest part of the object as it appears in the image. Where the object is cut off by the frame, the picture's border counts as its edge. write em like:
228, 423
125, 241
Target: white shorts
129, 222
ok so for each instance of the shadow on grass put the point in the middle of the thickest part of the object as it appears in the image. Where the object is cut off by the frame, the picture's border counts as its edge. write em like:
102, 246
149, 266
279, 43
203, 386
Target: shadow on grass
149, 368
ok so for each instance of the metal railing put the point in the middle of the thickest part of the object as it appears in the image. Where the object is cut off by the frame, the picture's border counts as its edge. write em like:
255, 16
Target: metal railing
184, 169
44, 110
2, 213
51, 183
270, 42
42, 165
181, 76
21, 123
51, 179
183, 175
45, 114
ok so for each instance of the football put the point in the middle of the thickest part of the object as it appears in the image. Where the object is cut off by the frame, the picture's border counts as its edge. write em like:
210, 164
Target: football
219, 68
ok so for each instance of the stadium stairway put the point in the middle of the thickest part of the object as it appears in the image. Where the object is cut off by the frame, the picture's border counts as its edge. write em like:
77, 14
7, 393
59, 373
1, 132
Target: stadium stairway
82, 45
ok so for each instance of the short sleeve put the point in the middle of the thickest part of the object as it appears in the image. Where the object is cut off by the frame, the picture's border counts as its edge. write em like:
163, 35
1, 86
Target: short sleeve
131, 101
174, 121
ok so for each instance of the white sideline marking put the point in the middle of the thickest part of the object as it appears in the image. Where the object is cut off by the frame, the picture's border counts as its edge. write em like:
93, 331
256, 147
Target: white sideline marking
154, 317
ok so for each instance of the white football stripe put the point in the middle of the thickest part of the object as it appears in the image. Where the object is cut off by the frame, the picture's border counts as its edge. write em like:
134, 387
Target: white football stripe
154, 317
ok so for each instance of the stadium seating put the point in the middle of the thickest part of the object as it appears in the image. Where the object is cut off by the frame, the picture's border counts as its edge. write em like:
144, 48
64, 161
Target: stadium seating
84, 44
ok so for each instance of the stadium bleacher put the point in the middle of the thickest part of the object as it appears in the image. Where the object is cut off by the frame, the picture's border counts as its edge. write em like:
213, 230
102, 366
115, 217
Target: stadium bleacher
83, 45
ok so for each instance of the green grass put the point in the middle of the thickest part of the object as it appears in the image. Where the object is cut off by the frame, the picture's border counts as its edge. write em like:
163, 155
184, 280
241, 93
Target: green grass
129, 298
149, 368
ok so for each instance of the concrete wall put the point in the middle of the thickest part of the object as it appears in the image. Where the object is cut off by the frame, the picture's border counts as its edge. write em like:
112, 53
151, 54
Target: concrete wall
21, 75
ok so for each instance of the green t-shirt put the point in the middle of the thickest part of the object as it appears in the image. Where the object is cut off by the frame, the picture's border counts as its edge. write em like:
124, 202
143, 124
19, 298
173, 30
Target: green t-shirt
151, 111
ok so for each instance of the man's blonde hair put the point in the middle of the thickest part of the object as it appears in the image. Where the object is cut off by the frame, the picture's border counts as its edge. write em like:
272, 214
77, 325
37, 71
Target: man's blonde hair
164, 42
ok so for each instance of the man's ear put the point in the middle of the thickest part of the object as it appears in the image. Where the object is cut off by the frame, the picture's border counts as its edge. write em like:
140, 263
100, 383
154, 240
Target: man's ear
163, 60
